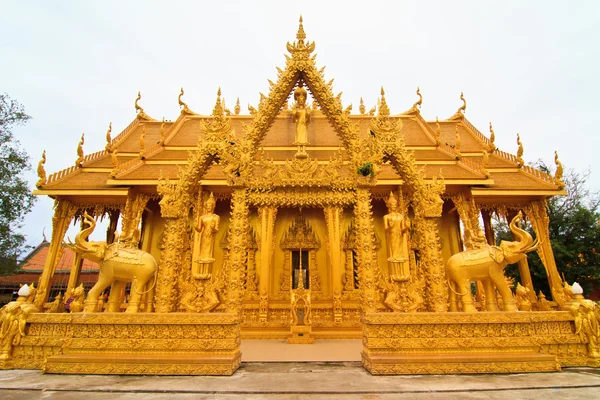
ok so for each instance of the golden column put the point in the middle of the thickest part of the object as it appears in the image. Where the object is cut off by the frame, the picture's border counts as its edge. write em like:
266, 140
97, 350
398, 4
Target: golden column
365, 249
332, 218
64, 211
537, 214
238, 248
428, 211
170, 263
267, 227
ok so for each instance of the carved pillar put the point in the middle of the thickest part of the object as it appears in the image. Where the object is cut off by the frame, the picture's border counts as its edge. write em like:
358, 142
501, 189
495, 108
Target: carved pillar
428, 210
170, 263
332, 218
267, 227
238, 248
132, 215
365, 249
537, 214
486, 215
64, 211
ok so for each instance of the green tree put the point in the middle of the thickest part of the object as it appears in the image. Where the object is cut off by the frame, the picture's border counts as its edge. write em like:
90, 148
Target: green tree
16, 198
574, 235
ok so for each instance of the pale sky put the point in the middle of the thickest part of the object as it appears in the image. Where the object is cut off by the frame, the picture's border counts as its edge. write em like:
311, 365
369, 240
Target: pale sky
530, 67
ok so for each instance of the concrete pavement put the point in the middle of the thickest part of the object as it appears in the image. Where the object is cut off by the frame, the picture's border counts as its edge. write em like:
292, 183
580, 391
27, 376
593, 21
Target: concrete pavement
348, 381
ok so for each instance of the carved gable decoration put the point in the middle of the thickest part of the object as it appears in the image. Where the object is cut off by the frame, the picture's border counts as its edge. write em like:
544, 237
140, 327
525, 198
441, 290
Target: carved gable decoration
300, 235
349, 238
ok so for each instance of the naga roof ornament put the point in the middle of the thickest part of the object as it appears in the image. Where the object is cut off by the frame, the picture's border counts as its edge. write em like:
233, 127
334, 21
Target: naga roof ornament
184, 107
139, 110
520, 160
460, 113
492, 139
559, 171
108, 138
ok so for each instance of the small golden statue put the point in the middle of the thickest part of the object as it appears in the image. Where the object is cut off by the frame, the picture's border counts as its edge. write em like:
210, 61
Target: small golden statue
396, 230
207, 227
301, 115
522, 298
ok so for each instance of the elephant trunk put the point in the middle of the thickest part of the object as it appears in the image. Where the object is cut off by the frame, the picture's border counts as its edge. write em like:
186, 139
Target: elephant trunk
523, 237
81, 237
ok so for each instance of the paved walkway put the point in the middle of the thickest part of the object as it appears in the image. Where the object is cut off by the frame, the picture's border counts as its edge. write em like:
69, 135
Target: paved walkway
347, 381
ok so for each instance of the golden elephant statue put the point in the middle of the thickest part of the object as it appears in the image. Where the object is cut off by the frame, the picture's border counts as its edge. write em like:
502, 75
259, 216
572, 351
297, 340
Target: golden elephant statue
118, 262
487, 264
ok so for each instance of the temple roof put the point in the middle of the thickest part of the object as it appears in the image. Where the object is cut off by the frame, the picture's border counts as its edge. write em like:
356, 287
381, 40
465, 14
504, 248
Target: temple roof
148, 150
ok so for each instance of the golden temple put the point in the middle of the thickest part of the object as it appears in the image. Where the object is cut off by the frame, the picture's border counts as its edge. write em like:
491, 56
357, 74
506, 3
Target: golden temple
300, 220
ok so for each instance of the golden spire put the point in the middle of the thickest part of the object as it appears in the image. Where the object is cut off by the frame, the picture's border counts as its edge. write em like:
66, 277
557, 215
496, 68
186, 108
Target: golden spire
80, 152
108, 138
457, 145
420, 101
299, 49
558, 175
520, 160
220, 122
438, 132
492, 139
300, 35
138, 109
362, 108
41, 172
237, 107
384, 110
162, 132
143, 142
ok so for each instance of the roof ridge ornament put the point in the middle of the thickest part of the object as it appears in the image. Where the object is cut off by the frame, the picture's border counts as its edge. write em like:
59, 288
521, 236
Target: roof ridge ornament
383, 127
299, 49
80, 157
362, 107
41, 171
220, 123
237, 107
108, 138
460, 113
438, 132
520, 160
139, 110
492, 147
184, 107
162, 133
558, 174
457, 143
418, 103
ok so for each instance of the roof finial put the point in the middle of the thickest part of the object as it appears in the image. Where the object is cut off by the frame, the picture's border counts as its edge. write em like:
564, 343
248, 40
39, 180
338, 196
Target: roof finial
520, 160
559, 171
362, 107
162, 132
420, 101
463, 108
80, 152
438, 132
237, 107
299, 49
41, 171
492, 139
108, 138
138, 109
184, 107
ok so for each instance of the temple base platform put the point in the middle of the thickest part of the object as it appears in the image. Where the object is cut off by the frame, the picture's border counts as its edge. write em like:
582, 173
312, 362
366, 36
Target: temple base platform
470, 343
139, 344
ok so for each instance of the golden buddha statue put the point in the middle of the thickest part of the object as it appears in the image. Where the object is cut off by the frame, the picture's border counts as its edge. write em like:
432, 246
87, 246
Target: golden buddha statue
396, 232
301, 116
207, 227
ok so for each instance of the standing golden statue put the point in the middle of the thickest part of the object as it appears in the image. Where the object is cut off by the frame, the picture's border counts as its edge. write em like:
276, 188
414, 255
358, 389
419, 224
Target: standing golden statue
301, 115
207, 228
396, 232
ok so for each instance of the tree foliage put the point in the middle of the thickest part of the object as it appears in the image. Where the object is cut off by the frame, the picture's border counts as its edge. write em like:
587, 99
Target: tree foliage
574, 235
16, 198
